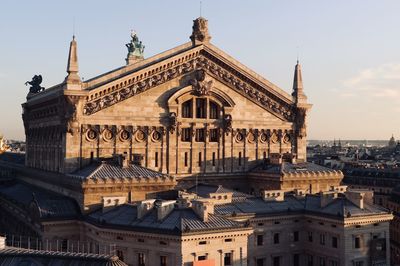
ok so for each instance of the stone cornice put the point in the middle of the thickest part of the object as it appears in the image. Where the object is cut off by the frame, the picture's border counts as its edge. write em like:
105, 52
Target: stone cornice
214, 66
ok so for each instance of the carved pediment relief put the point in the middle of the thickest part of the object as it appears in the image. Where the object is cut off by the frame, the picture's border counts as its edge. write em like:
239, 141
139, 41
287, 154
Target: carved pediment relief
201, 86
201, 69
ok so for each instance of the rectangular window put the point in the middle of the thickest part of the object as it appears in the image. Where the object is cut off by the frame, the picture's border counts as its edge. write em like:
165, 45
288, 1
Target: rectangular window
213, 159
276, 238
333, 263
201, 257
260, 240
310, 260
186, 159
240, 158
187, 109
201, 111
296, 236
276, 261
322, 239
228, 259
214, 135
214, 110
296, 260
200, 159
357, 242
334, 242
186, 134
156, 159
141, 259
200, 134
260, 262
322, 262
310, 237
359, 263
163, 260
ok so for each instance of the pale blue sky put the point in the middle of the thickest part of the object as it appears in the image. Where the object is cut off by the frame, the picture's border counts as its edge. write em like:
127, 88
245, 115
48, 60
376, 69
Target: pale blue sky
349, 50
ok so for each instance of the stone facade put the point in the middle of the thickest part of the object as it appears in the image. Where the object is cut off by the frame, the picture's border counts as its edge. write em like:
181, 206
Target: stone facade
201, 112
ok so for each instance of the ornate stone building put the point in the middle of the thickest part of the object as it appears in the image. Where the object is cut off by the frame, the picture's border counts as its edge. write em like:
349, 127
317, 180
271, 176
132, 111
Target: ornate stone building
192, 112
100, 152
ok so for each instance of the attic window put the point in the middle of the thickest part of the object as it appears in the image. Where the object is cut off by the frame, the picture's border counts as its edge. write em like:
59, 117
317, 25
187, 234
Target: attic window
202, 242
228, 240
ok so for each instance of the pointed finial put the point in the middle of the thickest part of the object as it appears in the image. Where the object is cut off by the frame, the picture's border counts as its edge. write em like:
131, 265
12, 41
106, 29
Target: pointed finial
72, 67
298, 94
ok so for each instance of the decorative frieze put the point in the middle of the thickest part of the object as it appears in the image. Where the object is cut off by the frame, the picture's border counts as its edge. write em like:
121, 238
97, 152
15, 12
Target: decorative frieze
201, 65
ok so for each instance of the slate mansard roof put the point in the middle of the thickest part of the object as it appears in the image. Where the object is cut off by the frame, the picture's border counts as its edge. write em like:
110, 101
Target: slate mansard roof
28, 257
50, 205
291, 168
179, 221
110, 169
339, 208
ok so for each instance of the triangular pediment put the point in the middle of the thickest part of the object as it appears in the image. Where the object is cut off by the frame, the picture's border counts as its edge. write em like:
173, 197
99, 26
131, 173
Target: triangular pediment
121, 84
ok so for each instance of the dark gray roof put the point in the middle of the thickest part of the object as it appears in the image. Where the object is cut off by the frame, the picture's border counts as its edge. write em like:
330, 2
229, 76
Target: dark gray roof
50, 205
339, 207
342, 207
28, 257
106, 170
203, 190
258, 206
177, 222
287, 167
13, 157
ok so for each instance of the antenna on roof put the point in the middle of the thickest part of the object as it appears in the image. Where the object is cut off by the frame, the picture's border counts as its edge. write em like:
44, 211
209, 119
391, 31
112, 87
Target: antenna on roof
73, 26
200, 7
297, 47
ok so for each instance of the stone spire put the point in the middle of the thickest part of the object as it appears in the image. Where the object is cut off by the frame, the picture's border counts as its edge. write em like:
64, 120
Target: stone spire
200, 31
72, 67
298, 93
301, 108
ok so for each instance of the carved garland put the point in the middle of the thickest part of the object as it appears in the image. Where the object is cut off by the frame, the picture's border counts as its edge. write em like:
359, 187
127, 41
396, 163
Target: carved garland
281, 109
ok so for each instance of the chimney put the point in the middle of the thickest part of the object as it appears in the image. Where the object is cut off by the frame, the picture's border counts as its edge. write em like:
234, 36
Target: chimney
203, 209
164, 208
327, 197
144, 207
359, 197
2, 242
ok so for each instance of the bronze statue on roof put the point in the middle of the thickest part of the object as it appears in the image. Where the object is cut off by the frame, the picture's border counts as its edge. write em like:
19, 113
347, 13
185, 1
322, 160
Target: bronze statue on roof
35, 84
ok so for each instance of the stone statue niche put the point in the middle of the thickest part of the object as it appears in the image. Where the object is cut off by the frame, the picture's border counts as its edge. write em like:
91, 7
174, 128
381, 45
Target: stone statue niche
35, 84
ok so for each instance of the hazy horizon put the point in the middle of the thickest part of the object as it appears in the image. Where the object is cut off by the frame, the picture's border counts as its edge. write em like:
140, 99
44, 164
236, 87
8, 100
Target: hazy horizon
348, 51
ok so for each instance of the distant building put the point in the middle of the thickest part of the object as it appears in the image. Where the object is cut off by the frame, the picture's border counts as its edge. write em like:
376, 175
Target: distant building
392, 142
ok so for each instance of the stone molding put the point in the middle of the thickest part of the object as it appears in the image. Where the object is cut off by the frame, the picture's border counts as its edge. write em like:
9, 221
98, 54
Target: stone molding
205, 63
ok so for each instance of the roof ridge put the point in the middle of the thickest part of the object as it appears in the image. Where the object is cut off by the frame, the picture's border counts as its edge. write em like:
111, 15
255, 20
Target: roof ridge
95, 171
